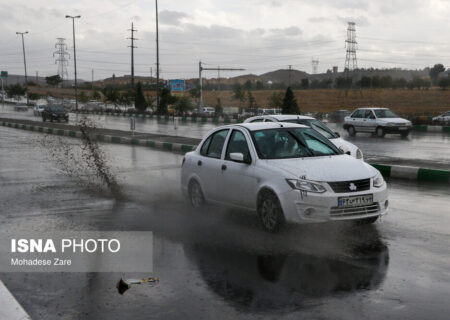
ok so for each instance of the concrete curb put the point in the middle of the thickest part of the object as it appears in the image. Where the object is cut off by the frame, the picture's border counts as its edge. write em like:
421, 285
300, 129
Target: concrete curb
168, 146
426, 128
166, 118
392, 171
413, 173
11, 308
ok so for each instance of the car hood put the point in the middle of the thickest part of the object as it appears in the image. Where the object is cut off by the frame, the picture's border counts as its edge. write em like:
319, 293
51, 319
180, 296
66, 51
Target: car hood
345, 145
396, 120
327, 169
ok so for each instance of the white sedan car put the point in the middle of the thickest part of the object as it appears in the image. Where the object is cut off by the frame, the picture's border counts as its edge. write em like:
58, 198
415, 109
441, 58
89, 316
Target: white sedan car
315, 124
443, 118
285, 172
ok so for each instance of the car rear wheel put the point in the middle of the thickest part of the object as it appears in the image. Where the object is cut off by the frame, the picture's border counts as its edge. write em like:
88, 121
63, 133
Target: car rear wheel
351, 131
270, 212
380, 132
195, 194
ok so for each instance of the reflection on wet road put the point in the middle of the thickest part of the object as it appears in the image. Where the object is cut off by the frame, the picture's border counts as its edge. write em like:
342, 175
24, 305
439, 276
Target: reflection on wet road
218, 263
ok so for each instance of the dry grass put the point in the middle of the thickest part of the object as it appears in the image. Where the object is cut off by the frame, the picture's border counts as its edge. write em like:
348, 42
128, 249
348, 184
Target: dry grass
432, 101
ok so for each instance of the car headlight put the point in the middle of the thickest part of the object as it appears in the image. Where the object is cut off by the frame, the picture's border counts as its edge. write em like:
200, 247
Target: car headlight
54, 114
306, 185
359, 154
408, 123
378, 180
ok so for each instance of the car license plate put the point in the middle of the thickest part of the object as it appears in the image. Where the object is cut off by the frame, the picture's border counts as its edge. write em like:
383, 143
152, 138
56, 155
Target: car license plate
355, 201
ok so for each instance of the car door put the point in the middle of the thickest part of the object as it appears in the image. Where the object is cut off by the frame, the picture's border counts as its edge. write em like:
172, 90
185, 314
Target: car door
356, 120
208, 164
238, 178
369, 121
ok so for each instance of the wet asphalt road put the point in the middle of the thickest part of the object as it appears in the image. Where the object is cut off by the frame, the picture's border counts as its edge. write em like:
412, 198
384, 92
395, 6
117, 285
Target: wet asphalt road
422, 149
218, 263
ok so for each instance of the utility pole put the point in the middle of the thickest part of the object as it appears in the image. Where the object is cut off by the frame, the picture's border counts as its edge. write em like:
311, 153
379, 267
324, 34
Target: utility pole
37, 76
290, 71
218, 78
200, 69
157, 58
92, 79
350, 58
132, 54
74, 58
61, 59
24, 61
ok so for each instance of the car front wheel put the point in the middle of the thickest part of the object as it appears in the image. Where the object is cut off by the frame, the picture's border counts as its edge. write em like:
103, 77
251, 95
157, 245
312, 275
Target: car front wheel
270, 212
195, 194
351, 131
380, 132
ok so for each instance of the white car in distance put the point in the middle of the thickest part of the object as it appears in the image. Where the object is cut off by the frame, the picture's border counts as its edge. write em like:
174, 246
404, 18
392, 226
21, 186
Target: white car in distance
315, 124
443, 118
378, 121
285, 172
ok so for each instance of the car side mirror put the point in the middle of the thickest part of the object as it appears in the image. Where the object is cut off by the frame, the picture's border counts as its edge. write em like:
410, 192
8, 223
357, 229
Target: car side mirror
237, 156
337, 134
372, 117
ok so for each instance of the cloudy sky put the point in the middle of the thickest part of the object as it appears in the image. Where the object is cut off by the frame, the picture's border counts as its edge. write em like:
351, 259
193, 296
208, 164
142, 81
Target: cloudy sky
258, 35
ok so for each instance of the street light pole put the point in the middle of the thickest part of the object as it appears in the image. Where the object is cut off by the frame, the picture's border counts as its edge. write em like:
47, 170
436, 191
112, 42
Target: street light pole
74, 59
157, 58
24, 61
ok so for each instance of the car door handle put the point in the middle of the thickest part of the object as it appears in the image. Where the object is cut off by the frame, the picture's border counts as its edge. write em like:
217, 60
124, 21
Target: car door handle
224, 167
199, 163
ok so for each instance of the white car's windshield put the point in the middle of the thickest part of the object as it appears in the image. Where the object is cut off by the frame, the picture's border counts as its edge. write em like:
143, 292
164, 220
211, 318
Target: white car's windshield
283, 143
316, 125
385, 113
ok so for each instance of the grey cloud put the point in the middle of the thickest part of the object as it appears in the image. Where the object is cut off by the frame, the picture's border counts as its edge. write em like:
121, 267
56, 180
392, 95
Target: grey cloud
171, 17
289, 31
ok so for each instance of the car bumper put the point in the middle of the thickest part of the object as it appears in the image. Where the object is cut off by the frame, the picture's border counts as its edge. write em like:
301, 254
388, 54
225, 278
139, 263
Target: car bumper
399, 129
323, 207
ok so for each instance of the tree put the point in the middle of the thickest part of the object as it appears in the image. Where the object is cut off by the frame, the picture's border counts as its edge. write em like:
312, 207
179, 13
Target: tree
195, 92
111, 94
53, 80
15, 91
259, 85
238, 93
444, 83
83, 97
290, 105
435, 71
139, 99
33, 96
276, 100
183, 105
127, 97
305, 83
165, 99
218, 110
252, 107
96, 95
248, 85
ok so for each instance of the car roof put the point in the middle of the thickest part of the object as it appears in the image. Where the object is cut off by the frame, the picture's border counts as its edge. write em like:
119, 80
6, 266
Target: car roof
268, 125
281, 117
369, 108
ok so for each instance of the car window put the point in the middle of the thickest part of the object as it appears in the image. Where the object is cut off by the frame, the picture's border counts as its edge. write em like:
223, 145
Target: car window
257, 120
238, 144
385, 113
212, 147
268, 120
357, 114
447, 114
368, 114
291, 143
319, 126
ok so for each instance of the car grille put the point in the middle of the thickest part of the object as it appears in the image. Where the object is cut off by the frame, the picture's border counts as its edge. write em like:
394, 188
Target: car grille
344, 186
337, 212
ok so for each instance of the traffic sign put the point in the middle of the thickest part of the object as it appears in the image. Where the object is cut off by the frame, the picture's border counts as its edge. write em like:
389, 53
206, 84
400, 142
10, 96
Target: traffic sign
4, 74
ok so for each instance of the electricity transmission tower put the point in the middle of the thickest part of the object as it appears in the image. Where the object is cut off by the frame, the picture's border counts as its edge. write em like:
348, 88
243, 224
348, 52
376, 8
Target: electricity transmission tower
351, 45
132, 38
315, 65
61, 60
200, 69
